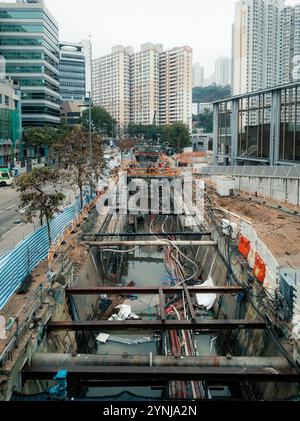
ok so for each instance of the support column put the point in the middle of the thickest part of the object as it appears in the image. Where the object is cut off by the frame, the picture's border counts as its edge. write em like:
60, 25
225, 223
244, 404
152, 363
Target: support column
216, 133
275, 127
234, 131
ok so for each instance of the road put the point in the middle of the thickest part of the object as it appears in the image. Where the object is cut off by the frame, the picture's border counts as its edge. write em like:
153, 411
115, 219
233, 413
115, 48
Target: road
9, 206
12, 228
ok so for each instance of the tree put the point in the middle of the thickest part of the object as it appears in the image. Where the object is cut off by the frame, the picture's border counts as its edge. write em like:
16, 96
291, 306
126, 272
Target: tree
205, 121
102, 121
73, 153
44, 136
34, 198
97, 156
176, 136
211, 93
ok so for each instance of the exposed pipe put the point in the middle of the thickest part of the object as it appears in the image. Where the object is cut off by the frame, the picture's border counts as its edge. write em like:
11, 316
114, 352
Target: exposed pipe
82, 360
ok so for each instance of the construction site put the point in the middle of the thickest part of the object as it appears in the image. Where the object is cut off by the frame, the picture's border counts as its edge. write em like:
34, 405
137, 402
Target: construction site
152, 295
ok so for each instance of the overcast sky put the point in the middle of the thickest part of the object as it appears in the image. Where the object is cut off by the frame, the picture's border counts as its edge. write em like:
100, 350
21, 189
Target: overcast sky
205, 25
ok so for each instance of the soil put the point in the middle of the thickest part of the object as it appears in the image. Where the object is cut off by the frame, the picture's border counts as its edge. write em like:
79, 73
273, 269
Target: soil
279, 230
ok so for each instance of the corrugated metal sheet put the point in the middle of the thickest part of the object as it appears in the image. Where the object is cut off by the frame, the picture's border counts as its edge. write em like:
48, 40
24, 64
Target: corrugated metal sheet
16, 265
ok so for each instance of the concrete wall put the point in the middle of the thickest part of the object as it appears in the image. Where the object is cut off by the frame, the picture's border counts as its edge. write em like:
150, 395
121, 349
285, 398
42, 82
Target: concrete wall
281, 189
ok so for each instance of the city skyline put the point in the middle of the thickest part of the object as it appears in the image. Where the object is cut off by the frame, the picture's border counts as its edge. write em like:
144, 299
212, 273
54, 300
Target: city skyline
132, 25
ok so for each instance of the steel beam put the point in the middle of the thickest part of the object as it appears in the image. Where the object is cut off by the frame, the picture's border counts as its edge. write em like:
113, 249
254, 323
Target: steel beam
85, 360
189, 302
153, 290
105, 325
156, 243
148, 234
162, 304
161, 374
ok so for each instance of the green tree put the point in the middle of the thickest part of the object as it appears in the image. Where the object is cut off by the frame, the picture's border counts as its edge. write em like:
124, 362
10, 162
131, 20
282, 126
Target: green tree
33, 196
44, 136
97, 156
102, 121
176, 136
205, 121
72, 152
211, 93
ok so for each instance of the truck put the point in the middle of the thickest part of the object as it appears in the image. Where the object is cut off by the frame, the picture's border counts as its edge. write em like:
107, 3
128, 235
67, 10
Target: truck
6, 178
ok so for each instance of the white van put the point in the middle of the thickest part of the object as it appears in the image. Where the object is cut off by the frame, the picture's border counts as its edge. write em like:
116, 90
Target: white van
5, 177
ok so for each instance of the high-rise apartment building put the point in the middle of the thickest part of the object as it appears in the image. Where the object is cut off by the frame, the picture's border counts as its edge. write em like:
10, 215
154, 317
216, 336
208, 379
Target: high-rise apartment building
111, 83
29, 44
72, 72
176, 86
198, 75
151, 86
144, 85
223, 71
256, 45
290, 44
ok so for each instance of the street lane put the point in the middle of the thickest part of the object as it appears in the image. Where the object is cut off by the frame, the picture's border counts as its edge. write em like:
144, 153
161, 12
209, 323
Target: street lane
12, 229
9, 206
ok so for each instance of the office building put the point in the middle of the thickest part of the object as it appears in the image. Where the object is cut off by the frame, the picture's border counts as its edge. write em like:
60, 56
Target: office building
10, 121
271, 135
223, 71
29, 44
72, 71
71, 112
198, 75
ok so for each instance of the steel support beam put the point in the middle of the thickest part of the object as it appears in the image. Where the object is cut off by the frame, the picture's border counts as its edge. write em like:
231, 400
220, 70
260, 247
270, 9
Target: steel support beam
234, 131
86, 360
226, 374
105, 325
148, 234
162, 304
153, 290
189, 302
216, 133
156, 243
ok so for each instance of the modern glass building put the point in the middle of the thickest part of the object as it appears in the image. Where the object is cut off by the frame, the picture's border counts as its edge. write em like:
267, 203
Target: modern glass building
72, 71
10, 122
259, 128
29, 44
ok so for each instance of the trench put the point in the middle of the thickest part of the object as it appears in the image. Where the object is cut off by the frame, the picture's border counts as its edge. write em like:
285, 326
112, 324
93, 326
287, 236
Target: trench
141, 267
150, 267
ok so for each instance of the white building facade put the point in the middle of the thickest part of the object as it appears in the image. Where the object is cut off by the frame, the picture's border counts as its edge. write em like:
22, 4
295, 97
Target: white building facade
266, 45
148, 87
198, 75
290, 44
111, 83
144, 85
223, 71
256, 45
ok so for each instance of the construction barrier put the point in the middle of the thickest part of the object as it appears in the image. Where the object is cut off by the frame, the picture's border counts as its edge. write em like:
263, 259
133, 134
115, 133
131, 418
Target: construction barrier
24, 258
260, 259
